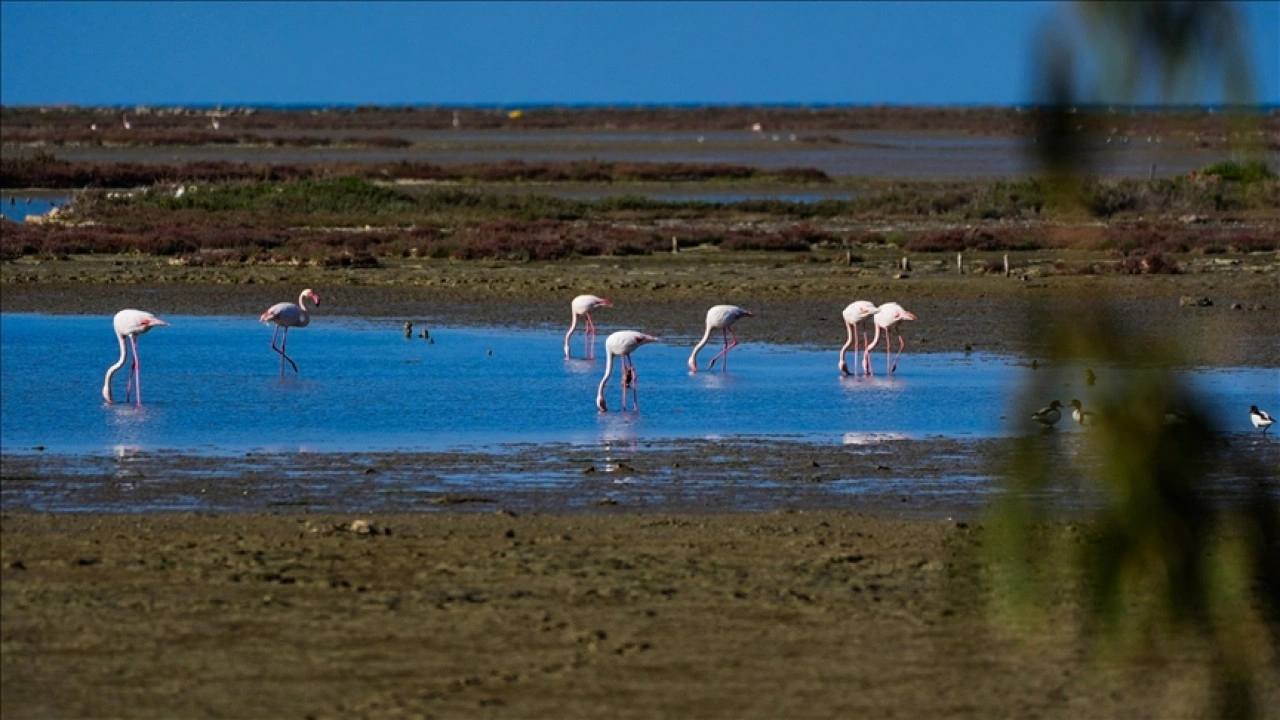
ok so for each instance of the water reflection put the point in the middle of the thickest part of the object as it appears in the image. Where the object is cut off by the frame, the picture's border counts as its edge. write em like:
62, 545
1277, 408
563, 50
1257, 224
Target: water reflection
215, 388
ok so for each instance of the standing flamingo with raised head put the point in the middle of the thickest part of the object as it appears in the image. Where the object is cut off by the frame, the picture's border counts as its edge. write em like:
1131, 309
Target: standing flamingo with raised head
889, 315
621, 344
130, 323
854, 315
582, 307
722, 318
287, 315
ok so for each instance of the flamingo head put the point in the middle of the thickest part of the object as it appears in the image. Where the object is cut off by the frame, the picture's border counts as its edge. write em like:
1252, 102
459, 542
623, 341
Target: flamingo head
606, 302
312, 296
153, 322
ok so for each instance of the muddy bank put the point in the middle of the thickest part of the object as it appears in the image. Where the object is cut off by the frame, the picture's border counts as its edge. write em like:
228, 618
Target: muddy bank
788, 614
795, 299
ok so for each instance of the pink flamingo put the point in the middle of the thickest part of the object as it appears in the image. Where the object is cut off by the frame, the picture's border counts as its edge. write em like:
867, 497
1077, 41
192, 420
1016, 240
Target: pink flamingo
286, 315
622, 344
582, 306
886, 317
853, 317
720, 317
131, 324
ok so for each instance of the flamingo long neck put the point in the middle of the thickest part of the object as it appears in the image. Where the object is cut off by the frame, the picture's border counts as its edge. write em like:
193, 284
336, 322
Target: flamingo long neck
304, 317
876, 338
572, 326
706, 336
608, 370
111, 371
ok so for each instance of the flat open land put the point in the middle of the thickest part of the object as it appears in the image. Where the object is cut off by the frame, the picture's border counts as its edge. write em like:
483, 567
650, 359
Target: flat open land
713, 598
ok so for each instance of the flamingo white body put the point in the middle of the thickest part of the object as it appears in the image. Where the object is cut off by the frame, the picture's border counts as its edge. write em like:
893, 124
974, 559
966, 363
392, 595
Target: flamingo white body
722, 318
1083, 417
287, 315
582, 307
854, 315
130, 323
1048, 416
620, 345
1260, 418
886, 318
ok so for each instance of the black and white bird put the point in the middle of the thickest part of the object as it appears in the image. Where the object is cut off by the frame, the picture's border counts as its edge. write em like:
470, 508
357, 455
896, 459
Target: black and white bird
1048, 416
1084, 418
1260, 418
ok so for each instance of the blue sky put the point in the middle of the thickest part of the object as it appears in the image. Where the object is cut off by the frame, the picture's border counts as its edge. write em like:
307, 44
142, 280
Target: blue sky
513, 53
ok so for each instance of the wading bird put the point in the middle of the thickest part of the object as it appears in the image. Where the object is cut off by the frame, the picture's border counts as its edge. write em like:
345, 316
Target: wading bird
889, 315
1048, 416
1083, 417
621, 344
853, 317
722, 318
1260, 418
582, 307
286, 315
131, 324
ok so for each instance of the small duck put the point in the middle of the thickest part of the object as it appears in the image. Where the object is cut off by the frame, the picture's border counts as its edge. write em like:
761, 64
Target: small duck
1260, 418
1048, 416
1089, 377
1084, 418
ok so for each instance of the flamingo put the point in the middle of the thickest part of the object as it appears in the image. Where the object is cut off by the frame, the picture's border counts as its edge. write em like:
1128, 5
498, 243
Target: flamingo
1048, 416
130, 323
286, 315
582, 306
622, 344
1260, 418
722, 318
853, 317
886, 317
124, 120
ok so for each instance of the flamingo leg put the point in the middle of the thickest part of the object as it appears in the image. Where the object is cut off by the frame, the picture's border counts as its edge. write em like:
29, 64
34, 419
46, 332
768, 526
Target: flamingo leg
626, 380
901, 344
589, 341
888, 342
283, 354
137, 370
133, 369
866, 361
630, 379
724, 353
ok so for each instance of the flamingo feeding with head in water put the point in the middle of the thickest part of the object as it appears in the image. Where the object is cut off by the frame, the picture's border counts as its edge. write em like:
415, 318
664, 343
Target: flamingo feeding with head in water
722, 318
289, 315
889, 315
621, 344
582, 307
853, 316
130, 323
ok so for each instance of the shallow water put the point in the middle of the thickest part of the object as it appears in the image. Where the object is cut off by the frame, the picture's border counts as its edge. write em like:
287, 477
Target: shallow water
211, 385
17, 207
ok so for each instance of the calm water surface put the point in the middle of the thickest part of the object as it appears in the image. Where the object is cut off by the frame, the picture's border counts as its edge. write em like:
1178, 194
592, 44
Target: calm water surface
211, 385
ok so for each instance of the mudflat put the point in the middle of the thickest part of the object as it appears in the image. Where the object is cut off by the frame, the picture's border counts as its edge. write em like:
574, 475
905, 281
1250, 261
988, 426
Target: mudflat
768, 614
